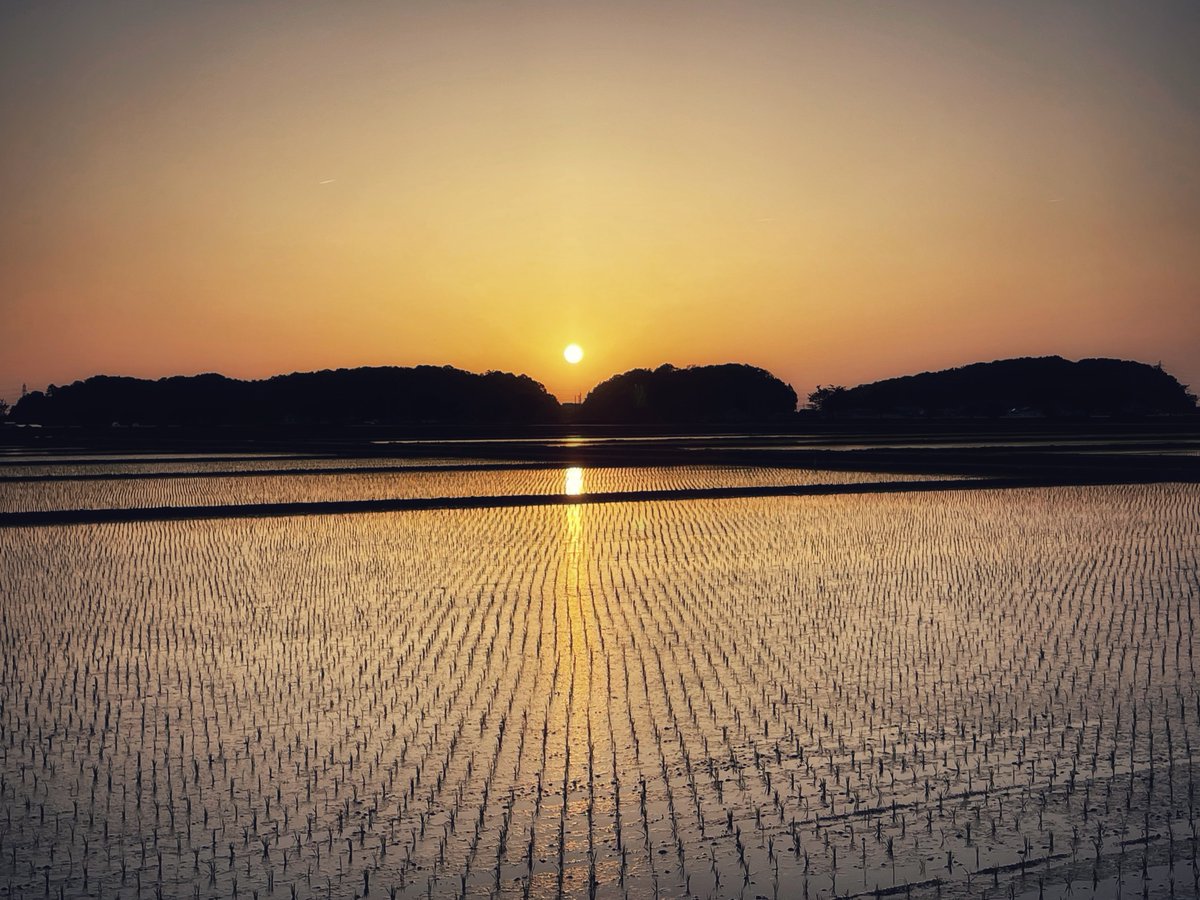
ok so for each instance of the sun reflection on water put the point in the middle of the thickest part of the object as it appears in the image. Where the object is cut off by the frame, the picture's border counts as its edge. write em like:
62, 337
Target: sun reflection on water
573, 482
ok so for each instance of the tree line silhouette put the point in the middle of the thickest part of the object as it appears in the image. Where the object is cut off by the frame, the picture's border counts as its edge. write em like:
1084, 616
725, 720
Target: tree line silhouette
385, 396
1041, 386
730, 393
724, 393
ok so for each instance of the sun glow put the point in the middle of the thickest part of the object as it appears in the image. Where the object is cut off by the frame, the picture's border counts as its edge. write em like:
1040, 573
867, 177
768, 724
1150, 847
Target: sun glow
573, 353
573, 482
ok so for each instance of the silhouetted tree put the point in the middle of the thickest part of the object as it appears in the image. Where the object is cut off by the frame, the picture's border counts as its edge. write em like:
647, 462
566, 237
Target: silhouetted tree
725, 393
1049, 386
388, 396
827, 399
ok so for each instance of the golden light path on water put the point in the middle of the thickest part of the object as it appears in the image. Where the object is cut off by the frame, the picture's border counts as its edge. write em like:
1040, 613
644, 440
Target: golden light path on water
573, 482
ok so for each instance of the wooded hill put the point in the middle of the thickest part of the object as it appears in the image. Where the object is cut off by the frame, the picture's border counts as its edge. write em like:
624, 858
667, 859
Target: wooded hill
1035, 386
726, 393
386, 396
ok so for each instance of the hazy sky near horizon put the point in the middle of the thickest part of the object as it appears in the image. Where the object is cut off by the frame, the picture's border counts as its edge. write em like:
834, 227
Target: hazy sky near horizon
838, 192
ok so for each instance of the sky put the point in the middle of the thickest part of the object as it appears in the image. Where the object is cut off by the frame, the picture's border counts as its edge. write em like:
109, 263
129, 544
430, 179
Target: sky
838, 192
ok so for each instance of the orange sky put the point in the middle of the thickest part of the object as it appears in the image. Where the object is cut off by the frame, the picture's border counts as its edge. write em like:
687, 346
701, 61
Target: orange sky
838, 192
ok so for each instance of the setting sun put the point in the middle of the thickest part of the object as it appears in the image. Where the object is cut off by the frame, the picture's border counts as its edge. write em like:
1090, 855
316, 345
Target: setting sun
573, 353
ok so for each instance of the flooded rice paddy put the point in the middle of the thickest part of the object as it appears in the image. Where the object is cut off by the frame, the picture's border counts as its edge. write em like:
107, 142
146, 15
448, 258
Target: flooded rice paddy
475, 481
960, 693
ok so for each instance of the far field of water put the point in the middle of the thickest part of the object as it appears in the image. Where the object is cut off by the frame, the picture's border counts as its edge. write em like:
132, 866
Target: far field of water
952, 693
175, 485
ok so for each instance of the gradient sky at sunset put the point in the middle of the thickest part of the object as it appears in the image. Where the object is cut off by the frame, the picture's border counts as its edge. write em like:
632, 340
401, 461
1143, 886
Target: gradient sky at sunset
838, 191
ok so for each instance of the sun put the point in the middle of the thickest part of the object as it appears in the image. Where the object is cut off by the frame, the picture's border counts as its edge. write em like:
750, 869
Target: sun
573, 353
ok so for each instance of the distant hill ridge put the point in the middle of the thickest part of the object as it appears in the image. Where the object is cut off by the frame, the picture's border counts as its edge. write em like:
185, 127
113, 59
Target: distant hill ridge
1037, 386
723, 393
384, 395
1042, 386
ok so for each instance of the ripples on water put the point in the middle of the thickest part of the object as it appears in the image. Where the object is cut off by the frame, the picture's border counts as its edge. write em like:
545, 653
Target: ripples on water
975, 693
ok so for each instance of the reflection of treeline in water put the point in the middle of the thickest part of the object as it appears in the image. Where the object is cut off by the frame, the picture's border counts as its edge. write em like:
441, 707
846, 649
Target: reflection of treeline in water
730, 393
1045, 386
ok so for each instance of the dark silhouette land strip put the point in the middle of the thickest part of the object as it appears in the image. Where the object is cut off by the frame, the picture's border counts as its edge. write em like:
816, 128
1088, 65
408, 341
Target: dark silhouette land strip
412, 504
344, 396
272, 473
1030, 386
424, 396
724, 393
135, 457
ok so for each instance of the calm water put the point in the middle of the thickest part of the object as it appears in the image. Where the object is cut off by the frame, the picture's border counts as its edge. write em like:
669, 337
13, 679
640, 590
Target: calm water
315, 486
970, 693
